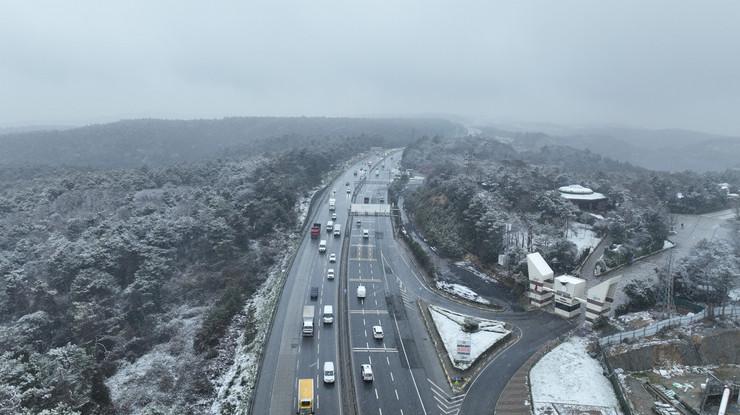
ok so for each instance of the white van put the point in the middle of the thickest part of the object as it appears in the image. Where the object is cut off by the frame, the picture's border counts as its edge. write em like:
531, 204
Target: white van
365, 234
367, 372
322, 246
328, 314
361, 291
329, 226
329, 376
337, 230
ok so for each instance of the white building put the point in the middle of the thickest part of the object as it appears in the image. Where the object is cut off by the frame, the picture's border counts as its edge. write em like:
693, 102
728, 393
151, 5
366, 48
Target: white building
600, 298
583, 197
540, 280
569, 292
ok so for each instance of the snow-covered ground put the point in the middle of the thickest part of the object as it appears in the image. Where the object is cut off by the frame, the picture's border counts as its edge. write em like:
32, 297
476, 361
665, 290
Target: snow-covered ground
582, 235
449, 327
236, 384
694, 229
461, 291
475, 271
569, 379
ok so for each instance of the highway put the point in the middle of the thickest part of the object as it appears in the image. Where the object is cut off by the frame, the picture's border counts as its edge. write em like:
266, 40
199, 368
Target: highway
288, 355
408, 377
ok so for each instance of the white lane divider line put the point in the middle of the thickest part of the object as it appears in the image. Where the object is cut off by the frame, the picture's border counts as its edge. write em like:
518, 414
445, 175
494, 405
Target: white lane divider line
447, 404
375, 350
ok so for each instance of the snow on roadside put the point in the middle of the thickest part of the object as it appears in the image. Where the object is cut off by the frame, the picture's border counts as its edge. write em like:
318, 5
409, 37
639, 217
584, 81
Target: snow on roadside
467, 266
237, 383
568, 375
461, 291
449, 326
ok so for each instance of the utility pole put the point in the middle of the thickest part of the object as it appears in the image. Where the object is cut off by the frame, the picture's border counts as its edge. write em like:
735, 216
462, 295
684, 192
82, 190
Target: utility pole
667, 286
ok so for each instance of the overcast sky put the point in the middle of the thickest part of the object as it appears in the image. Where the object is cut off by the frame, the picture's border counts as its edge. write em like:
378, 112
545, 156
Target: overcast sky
660, 64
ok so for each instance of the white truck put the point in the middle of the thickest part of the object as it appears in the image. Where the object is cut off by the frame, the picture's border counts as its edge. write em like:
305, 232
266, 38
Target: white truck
308, 320
332, 204
361, 292
337, 231
322, 246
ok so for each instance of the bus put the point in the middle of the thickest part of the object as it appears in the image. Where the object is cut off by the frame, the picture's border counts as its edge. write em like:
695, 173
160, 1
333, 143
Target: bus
305, 396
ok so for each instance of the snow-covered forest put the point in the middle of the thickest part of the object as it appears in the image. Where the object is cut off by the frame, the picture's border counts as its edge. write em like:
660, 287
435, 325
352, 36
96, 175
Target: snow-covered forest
117, 286
477, 186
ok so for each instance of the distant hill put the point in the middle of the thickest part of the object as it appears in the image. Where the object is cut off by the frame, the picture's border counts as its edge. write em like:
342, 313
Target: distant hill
667, 150
32, 128
153, 142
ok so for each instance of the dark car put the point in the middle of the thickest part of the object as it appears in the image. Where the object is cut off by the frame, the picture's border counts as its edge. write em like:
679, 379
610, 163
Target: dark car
314, 293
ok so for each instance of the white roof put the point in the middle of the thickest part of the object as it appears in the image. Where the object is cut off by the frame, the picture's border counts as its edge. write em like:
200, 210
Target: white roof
569, 279
578, 192
572, 285
537, 267
576, 189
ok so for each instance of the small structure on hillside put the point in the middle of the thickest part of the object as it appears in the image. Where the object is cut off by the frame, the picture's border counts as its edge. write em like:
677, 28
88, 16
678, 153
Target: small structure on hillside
540, 280
569, 293
599, 299
725, 187
583, 197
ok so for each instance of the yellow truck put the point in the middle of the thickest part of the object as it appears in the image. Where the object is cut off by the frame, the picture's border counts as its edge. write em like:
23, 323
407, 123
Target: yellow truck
305, 396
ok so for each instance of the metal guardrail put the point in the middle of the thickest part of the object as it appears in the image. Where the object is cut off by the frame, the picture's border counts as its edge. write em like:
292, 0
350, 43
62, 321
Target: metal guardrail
349, 399
732, 311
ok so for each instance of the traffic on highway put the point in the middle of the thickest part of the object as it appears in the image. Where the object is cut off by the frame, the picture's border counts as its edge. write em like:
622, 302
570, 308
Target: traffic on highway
348, 335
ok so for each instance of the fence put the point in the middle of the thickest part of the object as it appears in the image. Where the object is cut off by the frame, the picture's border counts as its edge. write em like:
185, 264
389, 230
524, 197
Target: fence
731, 312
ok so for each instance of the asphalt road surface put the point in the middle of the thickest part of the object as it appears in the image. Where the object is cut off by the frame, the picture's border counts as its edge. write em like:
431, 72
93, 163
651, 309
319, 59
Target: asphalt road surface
408, 377
288, 355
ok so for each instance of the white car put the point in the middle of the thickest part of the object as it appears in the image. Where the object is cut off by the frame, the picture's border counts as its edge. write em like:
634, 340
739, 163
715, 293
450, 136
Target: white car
349, 191
332, 258
330, 273
333, 216
329, 372
365, 234
367, 372
378, 332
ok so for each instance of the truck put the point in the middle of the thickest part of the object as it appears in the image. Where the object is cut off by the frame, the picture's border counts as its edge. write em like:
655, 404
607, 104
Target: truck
332, 204
305, 396
337, 231
322, 246
308, 317
315, 230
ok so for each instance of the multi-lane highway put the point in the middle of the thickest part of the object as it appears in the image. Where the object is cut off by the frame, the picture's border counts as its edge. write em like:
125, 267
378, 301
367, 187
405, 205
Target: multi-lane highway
288, 355
407, 375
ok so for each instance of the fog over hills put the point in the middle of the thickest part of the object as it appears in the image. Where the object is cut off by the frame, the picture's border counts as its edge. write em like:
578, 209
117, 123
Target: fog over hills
664, 149
134, 143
